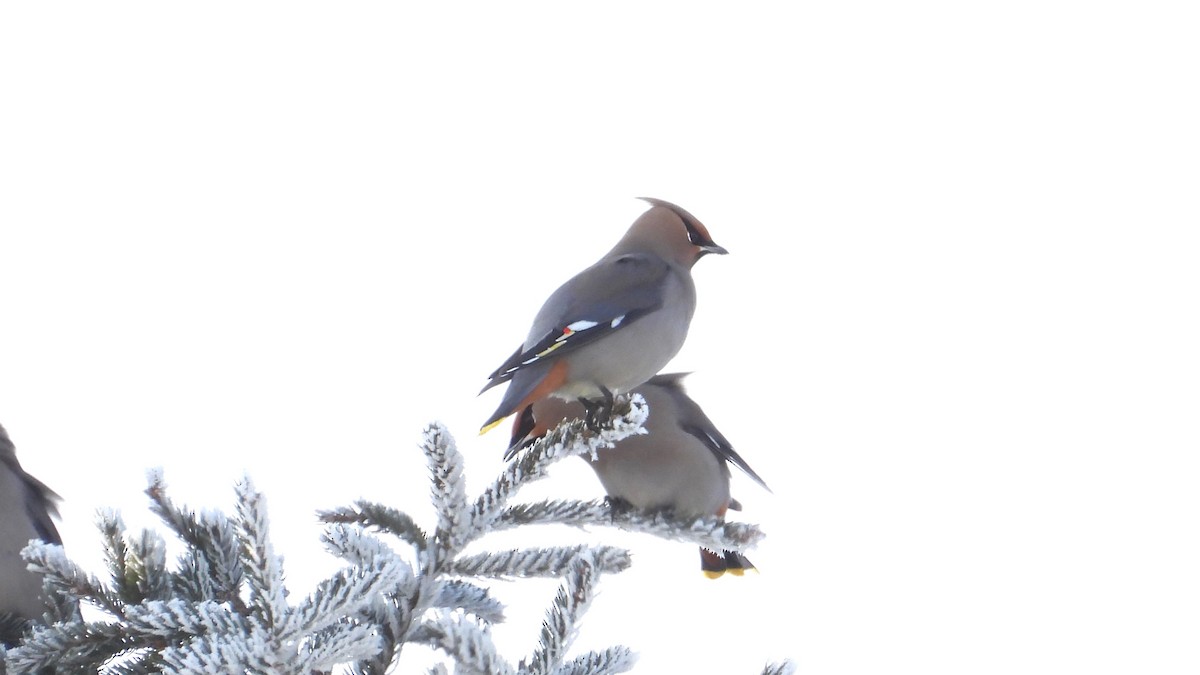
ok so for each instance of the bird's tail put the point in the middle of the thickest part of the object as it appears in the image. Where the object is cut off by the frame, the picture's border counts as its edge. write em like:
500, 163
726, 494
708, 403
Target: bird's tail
714, 565
525, 431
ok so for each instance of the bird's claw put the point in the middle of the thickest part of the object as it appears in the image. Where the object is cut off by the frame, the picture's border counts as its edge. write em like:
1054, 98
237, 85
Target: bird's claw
598, 413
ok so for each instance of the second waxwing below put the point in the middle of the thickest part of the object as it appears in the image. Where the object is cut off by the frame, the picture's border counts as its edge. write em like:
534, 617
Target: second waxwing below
680, 464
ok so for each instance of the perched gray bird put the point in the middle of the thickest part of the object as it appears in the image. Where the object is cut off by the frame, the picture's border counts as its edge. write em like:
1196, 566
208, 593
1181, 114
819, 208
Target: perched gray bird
681, 464
26, 506
615, 324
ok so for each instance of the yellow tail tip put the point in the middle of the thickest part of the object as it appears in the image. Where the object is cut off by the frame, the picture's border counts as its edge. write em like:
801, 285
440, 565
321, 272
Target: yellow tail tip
735, 571
488, 427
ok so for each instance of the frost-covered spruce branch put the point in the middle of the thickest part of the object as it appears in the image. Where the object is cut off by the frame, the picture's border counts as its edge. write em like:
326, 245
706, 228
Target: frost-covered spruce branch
220, 609
442, 609
706, 531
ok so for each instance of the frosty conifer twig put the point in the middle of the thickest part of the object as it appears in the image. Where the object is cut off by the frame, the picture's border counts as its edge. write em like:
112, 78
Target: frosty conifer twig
263, 567
558, 630
538, 562
137, 565
705, 531
341, 595
60, 573
469, 598
449, 489
610, 660
112, 532
148, 566
173, 618
467, 640
214, 542
383, 518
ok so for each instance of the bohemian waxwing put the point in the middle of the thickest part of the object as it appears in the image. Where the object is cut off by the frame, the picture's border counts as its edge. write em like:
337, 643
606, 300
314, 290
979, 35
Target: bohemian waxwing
681, 463
26, 505
614, 325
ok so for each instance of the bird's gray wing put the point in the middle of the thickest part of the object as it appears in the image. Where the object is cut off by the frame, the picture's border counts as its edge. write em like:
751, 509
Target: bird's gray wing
607, 297
693, 420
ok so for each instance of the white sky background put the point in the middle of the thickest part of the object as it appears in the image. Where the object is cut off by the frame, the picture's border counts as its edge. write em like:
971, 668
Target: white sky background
957, 332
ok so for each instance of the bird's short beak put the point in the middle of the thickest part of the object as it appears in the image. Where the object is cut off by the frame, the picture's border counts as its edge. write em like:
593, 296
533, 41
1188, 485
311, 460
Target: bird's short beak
713, 248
